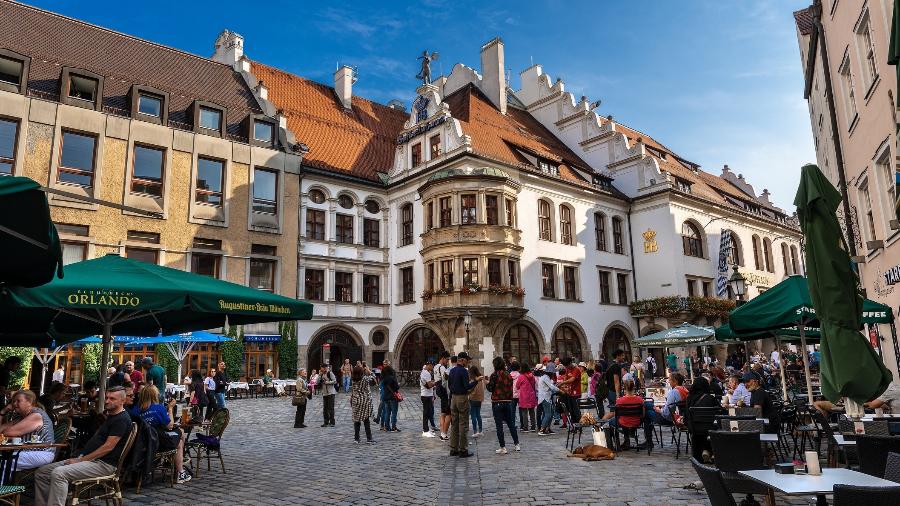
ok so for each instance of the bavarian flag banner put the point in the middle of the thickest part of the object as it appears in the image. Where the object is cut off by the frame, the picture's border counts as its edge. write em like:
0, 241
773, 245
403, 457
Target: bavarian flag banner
725, 246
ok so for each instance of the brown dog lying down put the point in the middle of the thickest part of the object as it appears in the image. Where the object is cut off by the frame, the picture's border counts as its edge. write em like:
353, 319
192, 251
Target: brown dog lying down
593, 452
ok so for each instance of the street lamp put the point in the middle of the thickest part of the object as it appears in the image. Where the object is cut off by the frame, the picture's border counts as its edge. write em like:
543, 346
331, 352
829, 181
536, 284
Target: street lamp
467, 321
738, 284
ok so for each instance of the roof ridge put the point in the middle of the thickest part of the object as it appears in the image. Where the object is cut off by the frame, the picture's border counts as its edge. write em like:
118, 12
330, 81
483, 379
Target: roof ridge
110, 30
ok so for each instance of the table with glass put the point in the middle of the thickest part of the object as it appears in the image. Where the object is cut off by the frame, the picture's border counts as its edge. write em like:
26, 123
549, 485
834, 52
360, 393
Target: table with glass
9, 457
819, 485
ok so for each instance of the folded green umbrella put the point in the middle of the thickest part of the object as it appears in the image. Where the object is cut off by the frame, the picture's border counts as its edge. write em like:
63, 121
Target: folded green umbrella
30, 252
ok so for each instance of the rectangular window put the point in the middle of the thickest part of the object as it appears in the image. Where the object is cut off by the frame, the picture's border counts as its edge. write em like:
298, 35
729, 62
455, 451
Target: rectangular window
417, 154
604, 287
315, 284
151, 256
147, 176
210, 174
73, 252
151, 105
491, 209
548, 280
618, 245
76, 159
513, 270
691, 288
69, 229
510, 209
205, 264
343, 286
371, 232
145, 237
889, 176
262, 274
315, 224
343, 228
446, 210
263, 131
467, 209
11, 70
447, 274
544, 230
429, 216
370, 289
406, 225
210, 119
435, 143
569, 283
83, 88
864, 37
406, 285
493, 271
202, 243
263, 249
565, 225
9, 134
622, 287
706, 288
849, 91
600, 231
265, 191
867, 210
429, 276
470, 271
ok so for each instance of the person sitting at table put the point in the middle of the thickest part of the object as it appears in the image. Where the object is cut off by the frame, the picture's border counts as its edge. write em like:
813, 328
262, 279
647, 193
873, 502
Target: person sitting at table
628, 400
888, 401
740, 396
29, 421
162, 419
677, 393
699, 396
99, 457
89, 394
759, 398
49, 400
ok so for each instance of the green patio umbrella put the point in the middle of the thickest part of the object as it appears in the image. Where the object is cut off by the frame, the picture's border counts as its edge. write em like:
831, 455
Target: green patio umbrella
682, 335
30, 253
849, 366
115, 295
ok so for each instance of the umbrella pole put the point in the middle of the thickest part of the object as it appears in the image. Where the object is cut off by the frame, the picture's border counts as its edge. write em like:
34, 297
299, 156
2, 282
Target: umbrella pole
805, 355
781, 368
104, 361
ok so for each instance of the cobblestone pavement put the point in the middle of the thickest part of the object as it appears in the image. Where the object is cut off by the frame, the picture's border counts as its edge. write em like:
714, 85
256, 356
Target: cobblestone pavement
268, 462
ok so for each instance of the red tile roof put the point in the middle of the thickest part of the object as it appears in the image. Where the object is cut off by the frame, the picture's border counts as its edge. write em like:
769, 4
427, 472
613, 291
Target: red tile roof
805, 20
359, 143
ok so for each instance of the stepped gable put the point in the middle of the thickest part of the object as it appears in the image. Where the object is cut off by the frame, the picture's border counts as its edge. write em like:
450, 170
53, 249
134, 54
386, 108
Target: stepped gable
500, 136
358, 142
54, 41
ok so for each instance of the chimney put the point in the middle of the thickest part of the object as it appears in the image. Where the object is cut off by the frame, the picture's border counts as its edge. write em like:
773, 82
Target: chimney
493, 76
229, 48
343, 85
262, 91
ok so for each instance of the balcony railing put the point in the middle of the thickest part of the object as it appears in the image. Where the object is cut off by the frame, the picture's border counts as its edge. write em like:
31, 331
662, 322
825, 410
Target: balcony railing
481, 298
668, 307
456, 234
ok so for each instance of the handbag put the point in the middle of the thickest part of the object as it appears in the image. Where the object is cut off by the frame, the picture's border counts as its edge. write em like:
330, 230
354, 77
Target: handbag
298, 400
599, 437
398, 396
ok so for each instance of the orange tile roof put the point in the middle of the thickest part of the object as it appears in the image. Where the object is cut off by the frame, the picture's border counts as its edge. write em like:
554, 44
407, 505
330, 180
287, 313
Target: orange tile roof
360, 142
805, 20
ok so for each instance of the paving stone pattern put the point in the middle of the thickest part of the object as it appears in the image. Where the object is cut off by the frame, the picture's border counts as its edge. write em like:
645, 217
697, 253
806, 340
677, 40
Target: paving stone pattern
268, 462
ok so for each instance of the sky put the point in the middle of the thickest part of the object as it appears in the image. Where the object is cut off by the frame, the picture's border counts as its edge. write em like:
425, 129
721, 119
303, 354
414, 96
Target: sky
719, 82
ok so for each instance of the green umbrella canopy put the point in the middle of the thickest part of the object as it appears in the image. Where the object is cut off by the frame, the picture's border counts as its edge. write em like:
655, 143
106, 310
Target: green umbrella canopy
30, 253
682, 335
725, 334
849, 365
139, 299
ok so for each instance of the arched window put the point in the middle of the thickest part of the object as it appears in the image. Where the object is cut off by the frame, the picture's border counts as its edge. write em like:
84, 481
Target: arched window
795, 266
317, 196
566, 343
767, 255
600, 231
406, 224
616, 339
521, 343
421, 344
785, 259
734, 254
565, 225
345, 201
544, 228
691, 240
618, 243
757, 259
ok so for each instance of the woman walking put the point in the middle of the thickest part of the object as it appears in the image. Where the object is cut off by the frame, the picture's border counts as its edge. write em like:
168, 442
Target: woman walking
361, 400
500, 385
545, 391
300, 397
476, 397
526, 385
390, 389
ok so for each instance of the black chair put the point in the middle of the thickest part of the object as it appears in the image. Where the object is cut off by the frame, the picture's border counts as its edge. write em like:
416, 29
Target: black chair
714, 484
892, 467
870, 427
700, 421
741, 425
633, 411
873, 452
678, 430
850, 495
739, 451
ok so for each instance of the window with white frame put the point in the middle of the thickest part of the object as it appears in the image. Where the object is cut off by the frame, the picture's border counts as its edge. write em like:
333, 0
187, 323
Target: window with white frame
866, 47
866, 204
848, 91
887, 185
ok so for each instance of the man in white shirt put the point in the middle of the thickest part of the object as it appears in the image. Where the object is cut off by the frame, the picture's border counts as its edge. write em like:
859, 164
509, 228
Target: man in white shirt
776, 359
59, 375
426, 392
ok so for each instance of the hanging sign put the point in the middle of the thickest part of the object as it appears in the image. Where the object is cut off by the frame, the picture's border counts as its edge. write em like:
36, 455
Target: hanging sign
892, 275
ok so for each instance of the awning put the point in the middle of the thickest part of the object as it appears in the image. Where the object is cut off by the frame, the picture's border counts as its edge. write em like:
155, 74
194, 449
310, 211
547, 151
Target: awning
262, 338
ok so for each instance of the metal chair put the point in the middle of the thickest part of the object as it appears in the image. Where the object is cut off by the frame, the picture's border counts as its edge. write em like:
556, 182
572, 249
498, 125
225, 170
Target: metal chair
892, 467
739, 451
633, 411
850, 495
718, 493
211, 443
873, 452
107, 488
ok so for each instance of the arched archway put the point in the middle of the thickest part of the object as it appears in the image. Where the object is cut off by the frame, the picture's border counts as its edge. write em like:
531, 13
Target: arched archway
616, 338
332, 345
417, 346
566, 342
522, 342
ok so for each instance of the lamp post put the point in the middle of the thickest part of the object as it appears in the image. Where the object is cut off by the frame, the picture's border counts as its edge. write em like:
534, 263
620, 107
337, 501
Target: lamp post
467, 321
738, 284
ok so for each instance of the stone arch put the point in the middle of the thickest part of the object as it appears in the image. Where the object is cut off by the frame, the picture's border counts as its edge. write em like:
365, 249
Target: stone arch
523, 329
650, 329
428, 344
349, 193
337, 336
606, 347
381, 202
319, 187
585, 352
412, 324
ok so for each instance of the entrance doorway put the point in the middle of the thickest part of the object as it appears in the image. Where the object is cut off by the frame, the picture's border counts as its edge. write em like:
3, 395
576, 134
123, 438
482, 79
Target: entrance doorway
616, 339
520, 342
420, 344
332, 346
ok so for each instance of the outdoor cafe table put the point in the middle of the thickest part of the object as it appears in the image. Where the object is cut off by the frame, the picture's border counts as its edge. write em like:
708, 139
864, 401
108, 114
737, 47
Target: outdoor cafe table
804, 484
9, 457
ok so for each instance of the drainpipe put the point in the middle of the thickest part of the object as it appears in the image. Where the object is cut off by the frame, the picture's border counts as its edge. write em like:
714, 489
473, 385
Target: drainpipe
835, 138
637, 321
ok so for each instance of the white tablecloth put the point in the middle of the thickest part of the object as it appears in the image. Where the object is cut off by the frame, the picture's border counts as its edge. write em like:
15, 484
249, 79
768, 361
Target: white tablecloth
242, 385
174, 389
284, 383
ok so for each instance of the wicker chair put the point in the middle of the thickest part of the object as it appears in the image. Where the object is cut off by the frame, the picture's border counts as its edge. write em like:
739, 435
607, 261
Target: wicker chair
873, 452
107, 488
9, 494
892, 467
849, 495
217, 426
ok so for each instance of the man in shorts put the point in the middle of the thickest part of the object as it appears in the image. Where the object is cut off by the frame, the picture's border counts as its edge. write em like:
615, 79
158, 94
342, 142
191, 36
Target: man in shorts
441, 382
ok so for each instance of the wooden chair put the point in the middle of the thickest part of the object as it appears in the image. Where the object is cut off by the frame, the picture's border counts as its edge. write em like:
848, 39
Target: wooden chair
212, 443
10, 494
107, 488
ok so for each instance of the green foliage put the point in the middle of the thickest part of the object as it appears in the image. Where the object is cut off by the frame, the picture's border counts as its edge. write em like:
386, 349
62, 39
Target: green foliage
25, 353
287, 350
90, 358
233, 351
669, 307
167, 361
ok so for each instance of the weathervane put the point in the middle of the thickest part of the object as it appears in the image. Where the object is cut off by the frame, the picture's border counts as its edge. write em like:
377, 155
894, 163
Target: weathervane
425, 74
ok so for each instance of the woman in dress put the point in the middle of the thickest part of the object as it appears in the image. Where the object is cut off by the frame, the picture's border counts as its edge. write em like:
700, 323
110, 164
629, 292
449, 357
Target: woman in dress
300, 398
30, 422
361, 400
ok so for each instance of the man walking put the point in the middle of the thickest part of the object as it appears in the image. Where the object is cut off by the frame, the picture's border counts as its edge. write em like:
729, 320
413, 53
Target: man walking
460, 386
222, 380
441, 377
426, 392
346, 369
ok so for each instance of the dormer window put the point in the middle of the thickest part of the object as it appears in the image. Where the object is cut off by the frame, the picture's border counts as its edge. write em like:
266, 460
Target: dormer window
263, 132
13, 71
82, 88
209, 118
149, 104
683, 185
548, 168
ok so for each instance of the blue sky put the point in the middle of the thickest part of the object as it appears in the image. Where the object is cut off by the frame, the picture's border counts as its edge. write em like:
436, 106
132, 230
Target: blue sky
717, 81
